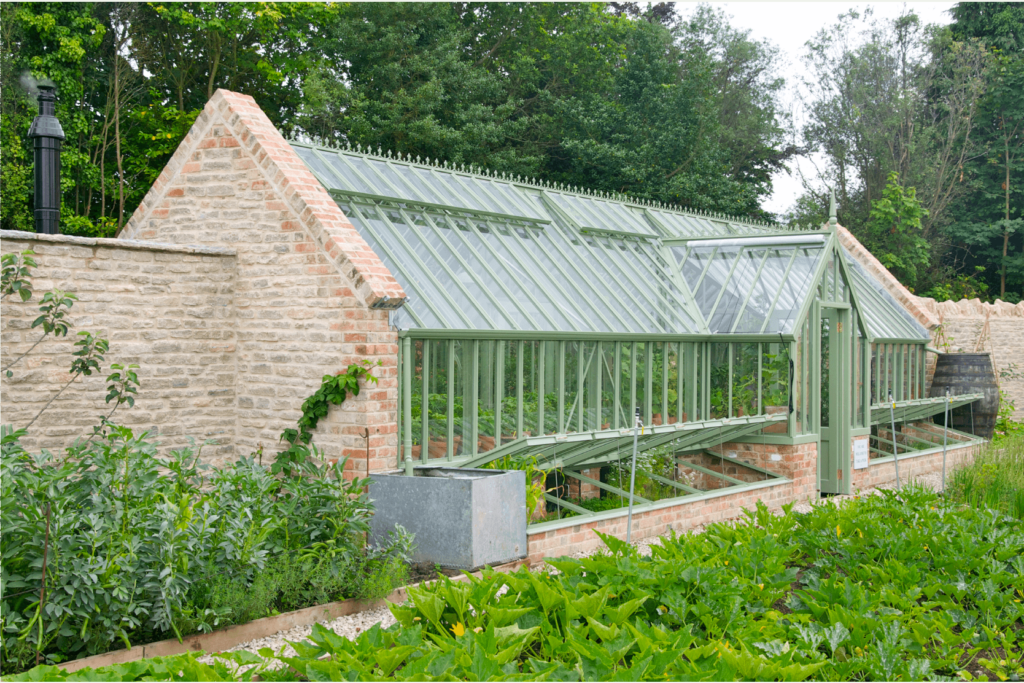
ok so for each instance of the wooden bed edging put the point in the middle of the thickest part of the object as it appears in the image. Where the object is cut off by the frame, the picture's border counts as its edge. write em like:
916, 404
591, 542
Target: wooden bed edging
227, 638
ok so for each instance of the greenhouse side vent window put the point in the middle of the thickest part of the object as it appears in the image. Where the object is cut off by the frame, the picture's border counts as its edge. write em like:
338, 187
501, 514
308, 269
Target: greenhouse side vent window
47, 136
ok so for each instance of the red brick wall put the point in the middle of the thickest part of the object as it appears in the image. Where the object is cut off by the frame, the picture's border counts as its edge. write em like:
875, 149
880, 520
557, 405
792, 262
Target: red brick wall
798, 463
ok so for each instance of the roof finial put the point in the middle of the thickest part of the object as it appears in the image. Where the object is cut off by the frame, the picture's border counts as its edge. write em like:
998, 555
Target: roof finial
832, 220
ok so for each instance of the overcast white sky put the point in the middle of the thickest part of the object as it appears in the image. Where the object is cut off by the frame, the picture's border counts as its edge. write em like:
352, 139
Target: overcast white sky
789, 25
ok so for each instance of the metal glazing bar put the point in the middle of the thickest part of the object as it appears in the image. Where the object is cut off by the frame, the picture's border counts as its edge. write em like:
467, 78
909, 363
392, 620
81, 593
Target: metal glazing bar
425, 402
691, 408
452, 388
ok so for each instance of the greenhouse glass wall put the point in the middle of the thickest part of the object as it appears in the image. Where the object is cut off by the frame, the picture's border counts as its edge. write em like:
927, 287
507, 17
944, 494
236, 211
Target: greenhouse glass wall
540, 319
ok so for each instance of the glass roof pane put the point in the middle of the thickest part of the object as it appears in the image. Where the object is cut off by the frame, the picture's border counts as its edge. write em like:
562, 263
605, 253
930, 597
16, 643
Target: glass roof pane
409, 280
362, 168
423, 189
498, 304
694, 266
794, 290
470, 195
716, 277
736, 291
319, 168
885, 317
763, 294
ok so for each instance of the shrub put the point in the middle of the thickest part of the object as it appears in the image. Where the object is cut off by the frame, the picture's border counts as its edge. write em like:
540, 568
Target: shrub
140, 548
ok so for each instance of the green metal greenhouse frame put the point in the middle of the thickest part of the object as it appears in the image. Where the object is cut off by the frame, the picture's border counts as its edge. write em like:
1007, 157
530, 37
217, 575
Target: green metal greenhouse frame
537, 316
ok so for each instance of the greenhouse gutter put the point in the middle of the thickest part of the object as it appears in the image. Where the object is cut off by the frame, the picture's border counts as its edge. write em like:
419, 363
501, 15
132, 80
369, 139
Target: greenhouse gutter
543, 527
535, 335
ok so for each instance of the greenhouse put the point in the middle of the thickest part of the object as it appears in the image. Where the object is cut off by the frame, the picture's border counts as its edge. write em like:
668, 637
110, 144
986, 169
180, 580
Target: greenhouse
538, 318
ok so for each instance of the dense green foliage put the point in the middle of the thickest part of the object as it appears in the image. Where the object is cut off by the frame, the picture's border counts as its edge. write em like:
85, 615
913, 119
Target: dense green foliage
139, 548
889, 587
995, 478
609, 97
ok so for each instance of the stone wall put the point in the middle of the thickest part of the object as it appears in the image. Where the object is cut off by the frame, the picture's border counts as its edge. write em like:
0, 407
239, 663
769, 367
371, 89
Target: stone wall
168, 308
311, 295
973, 326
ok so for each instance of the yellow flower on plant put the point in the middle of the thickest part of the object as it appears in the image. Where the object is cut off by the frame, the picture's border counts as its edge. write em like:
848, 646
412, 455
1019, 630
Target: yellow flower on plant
839, 532
459, 629
760, 586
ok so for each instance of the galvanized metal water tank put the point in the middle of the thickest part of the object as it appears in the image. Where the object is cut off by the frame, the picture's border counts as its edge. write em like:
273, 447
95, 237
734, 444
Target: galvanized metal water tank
968, 373
462, 518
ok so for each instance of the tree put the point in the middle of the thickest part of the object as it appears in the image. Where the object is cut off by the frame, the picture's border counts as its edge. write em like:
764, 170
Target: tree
894, 233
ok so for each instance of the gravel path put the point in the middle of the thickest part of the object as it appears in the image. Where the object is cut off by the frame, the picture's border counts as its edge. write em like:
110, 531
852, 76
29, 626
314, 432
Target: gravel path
352, 625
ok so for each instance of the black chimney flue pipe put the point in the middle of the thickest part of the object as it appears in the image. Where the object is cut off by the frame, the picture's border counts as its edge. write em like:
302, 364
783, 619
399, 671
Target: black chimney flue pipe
47, 136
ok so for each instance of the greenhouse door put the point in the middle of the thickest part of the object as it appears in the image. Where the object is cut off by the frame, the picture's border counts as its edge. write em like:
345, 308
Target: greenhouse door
833, 449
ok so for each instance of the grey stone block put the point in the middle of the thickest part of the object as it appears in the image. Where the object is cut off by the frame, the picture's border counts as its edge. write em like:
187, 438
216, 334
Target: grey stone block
462, 518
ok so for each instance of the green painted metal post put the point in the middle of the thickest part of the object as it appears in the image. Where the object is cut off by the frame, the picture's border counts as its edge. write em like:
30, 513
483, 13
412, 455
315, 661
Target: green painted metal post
474, 392
561, 387
632, 376
664, 382
407, 363
692, 389
617, 384
680, 384
425, 403
598, 380
542, 353
580, 395
760, 378
452, 388
499, 388
648, 381
520, 347
728, 409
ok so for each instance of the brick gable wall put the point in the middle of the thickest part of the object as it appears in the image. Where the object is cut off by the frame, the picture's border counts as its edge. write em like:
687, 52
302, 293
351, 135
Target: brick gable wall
310, 293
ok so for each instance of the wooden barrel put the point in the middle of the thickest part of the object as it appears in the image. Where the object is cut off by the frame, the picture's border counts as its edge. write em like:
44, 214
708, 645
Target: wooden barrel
968, 373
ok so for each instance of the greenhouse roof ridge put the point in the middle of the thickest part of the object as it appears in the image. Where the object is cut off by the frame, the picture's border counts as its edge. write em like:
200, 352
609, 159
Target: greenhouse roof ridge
483, 172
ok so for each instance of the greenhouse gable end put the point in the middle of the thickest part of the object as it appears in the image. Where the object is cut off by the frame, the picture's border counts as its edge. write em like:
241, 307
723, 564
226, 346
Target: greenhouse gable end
511, 323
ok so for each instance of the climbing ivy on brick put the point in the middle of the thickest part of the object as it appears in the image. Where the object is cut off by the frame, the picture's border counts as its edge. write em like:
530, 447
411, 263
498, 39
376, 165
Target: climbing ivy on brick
334, 389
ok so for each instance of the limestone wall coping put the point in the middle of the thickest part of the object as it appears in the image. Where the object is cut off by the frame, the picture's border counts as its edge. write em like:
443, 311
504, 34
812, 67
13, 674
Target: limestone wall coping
115, 243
